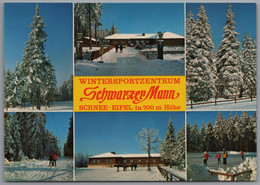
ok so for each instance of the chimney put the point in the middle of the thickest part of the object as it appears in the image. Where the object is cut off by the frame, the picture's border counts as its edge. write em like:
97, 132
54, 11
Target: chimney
113, 152
143, 34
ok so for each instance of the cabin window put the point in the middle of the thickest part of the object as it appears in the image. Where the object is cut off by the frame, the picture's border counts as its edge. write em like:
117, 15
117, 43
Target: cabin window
131, 161
98, 161
139, 161
125, 161
94, 161
142, 41
146, 160
147, 41
102, 160
154, 160
106, 160
111, 160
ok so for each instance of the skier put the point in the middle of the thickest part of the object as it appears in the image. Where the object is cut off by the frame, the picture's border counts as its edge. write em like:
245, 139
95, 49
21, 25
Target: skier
225, 156
121, 48
206, 156
116, 48
50, 159
54, 159
242, 154
219, 157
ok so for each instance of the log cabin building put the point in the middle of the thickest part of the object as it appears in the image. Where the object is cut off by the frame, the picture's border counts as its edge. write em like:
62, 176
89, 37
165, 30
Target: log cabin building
169, 39
111, 159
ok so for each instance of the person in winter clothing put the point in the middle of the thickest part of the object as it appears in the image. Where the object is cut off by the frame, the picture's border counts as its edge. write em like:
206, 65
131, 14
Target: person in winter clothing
219, 157
54, 159
116, 48
121, 48
242, 154
206, 156
225, 156
50, 159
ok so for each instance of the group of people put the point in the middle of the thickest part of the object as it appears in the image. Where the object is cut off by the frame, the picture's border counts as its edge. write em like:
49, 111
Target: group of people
52, 159
218, 156
121, 48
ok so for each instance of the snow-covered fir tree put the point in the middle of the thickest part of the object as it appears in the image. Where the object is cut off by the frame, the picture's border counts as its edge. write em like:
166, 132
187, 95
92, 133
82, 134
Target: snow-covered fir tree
7, 88
168, 145
249, 66
68, 146
25, 136
203, 136
15, 86
179, 150
201, 69
50, 81
34, 62
229, 60
234, 133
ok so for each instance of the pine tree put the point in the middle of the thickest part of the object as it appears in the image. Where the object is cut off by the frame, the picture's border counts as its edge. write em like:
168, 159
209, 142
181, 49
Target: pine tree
168, 145
179, 150
249, 66
203, 136
68, 146
219, 131
209, 134
7, 88
50, 81
15, 85
33, 66
229, 64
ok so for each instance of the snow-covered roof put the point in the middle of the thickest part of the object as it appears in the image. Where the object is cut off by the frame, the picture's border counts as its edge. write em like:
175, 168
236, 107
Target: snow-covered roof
166, 35
91, 39
112, 155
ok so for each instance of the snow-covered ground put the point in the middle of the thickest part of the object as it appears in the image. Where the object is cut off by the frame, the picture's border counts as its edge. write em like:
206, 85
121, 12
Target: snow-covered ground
198, 171
111, 174
38, 170
165, 48
239, 105
129, 62
84, 49
177, 172
55, 106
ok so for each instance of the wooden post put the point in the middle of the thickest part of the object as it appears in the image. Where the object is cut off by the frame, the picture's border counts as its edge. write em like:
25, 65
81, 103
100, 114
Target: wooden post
167, 178
215, 100
232, 178
235, 98
251, 96
191, 104
171, 178
45, 104
89, 21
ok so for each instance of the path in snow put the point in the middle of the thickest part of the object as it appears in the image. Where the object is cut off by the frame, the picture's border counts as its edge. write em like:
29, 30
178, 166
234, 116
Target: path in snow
240, 105
232, 160
64, 106
38, 170
128, 63
111, 174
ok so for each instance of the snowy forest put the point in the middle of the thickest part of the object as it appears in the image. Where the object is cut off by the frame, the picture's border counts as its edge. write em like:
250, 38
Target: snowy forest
231, 71
33, 82
172, 149
235, 134
26, 137
87, 21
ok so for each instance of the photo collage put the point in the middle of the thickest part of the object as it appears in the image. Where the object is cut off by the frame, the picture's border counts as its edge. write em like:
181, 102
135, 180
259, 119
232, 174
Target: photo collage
135, 92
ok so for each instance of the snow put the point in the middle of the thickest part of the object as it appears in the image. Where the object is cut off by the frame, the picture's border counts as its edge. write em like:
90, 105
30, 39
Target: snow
129, 62
240, 105
111, 174
38, 170
55, 106
166, 35
84, 49
176, 171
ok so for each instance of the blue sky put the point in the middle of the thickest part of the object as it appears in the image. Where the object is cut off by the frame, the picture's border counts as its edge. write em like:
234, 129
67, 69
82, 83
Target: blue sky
205, 116
144, 17
58, 20
58, 124
245, 17
97, 133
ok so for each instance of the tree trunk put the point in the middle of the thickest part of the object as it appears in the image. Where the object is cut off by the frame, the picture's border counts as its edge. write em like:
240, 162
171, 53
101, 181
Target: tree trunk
89, 21
38, 99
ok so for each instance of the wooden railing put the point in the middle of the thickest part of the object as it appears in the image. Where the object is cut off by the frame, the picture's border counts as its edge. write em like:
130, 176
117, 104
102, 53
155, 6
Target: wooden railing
169, 175
230, 175
234, 98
